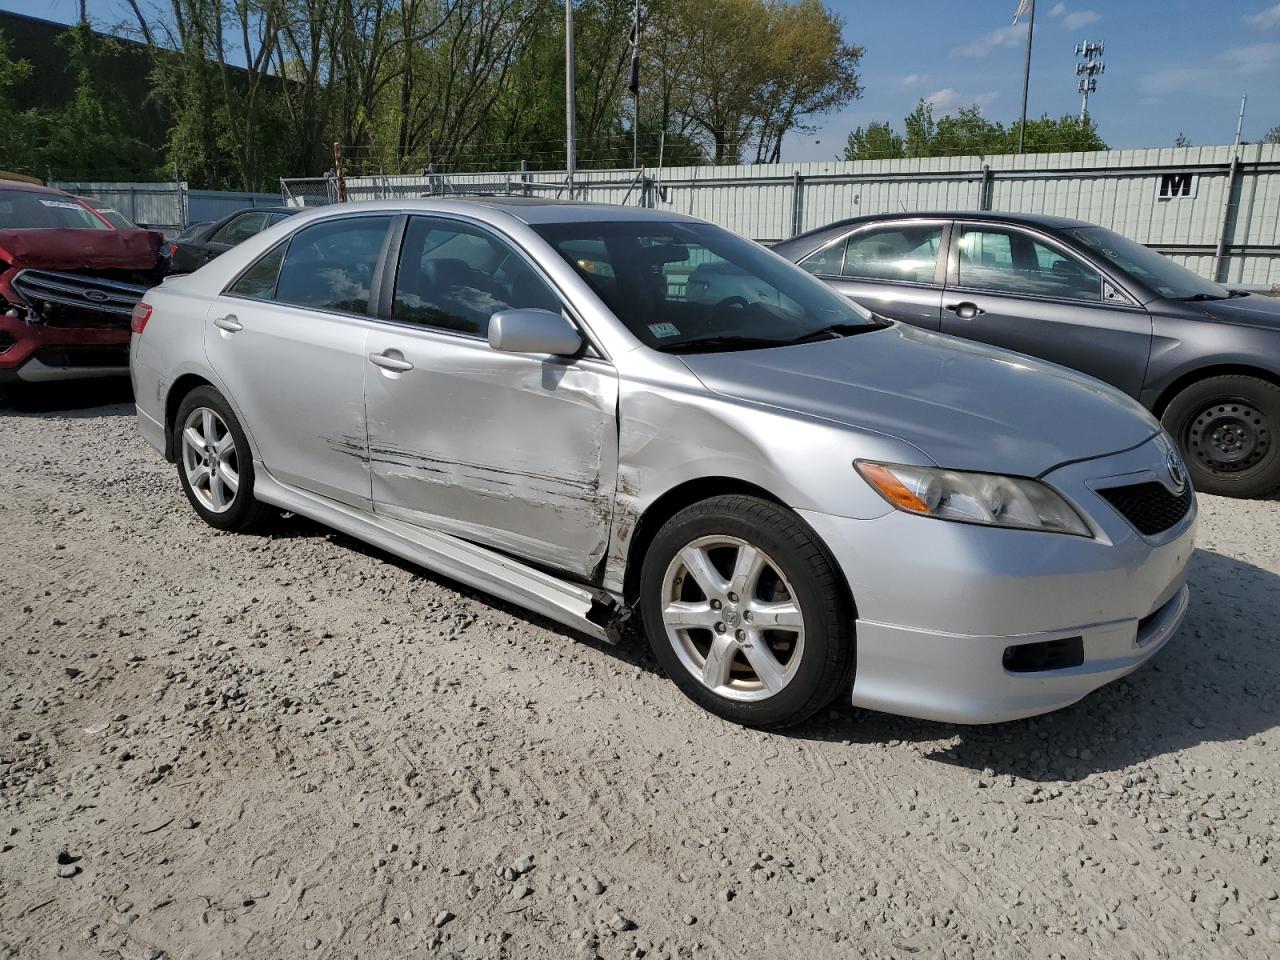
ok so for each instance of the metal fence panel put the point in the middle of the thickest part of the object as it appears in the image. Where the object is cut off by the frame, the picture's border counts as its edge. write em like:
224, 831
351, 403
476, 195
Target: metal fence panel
157, 206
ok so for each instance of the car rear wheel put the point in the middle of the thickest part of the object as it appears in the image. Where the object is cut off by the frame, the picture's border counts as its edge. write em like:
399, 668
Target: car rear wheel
747, 613
215, 465
1228, 429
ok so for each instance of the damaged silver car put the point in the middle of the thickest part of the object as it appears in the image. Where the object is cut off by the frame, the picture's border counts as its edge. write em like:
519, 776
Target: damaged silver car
799, 499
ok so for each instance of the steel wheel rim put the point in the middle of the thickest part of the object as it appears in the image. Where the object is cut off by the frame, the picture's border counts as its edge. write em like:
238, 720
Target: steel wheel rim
209, 459
733, 640
1229, 437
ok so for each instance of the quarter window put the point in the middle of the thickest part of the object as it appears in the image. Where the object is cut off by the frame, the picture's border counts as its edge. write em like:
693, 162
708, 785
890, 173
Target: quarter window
827, 260
1014, 263
259, 281
329, 265
905, 252
240, 228
454, 276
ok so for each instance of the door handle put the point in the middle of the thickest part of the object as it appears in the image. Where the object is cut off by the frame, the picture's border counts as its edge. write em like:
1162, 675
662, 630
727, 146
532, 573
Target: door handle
966, 310
228, 323
396, 364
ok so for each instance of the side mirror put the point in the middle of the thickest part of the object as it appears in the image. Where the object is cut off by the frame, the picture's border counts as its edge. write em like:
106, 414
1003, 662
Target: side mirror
530, 330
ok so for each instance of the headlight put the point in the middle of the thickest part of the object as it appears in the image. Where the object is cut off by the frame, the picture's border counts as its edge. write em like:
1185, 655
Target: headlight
1015, 502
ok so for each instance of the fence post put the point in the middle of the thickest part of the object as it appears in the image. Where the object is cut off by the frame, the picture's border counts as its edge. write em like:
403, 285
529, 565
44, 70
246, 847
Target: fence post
985, 187
1227, 222
797, 203
524, 177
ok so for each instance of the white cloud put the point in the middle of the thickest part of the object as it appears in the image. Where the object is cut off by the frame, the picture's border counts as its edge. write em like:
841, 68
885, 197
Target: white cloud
1081, 18
1058, 10
948, 99
1264, 19
1009, 36
914, 80
1219, 76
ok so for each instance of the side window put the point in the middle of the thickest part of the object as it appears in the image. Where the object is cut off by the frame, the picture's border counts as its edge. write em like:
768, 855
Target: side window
259, 281
329, 265
826, 261
240, 228
906, 252
454, 276
1015, 263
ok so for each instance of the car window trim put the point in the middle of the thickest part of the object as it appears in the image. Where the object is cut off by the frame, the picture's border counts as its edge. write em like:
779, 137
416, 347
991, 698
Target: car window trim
288, 241
572, 314
939, 267
1049, 240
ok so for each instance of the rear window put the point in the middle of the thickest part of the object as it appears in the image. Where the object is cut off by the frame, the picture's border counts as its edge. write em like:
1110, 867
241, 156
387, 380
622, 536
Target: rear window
27, 210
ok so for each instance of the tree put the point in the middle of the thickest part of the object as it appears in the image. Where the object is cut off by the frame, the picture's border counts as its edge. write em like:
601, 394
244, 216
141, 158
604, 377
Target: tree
1272, 135
15, 154
968, 133
1182, 140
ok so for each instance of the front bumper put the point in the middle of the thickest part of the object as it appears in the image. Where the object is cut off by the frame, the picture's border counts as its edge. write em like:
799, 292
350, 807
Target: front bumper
939, 603
37, 352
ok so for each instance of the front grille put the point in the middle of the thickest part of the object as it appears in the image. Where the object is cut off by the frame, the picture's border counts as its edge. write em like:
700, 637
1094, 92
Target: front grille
82, 293
88, 356
1150, 507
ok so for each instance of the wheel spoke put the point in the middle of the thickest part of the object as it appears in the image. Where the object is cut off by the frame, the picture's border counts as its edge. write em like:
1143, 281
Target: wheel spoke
230, 479
207, 425
191, 437
715, 672
217, 492
704, 573
784, 615
746, 571
225, 445
688, 615
198, 476
771, 673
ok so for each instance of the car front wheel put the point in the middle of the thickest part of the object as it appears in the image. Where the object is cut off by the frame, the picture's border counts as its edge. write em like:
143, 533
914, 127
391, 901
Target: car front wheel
747, 612
1228, 429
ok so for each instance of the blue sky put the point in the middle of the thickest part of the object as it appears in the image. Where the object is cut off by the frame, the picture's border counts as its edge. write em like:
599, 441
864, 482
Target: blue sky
1173, 66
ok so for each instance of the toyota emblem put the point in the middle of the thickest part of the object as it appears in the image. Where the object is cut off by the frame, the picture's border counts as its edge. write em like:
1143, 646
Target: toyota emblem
1177, 473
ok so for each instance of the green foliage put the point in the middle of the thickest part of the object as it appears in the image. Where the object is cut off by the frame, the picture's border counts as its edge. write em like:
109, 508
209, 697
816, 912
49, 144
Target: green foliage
1272, 135
16, 144
968, 133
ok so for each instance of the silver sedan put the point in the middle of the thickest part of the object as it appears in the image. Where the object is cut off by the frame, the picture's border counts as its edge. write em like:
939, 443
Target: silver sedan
798, 499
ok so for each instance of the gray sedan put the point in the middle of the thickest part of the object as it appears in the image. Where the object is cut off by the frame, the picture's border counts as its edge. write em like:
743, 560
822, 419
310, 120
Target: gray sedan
799, 499
1202, 358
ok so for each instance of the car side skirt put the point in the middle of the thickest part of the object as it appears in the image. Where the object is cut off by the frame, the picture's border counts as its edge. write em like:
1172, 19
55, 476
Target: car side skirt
592, 612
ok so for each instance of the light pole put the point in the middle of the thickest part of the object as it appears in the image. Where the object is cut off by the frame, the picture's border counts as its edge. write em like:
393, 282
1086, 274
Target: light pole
570, 111
1028, 7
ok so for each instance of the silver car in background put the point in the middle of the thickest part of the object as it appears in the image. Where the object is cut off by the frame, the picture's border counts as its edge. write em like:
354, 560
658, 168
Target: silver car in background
799, 499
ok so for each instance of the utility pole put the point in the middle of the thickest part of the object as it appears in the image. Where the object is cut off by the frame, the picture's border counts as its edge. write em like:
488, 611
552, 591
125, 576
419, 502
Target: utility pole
1088, 70
1240, 119
1028, 7
570, 110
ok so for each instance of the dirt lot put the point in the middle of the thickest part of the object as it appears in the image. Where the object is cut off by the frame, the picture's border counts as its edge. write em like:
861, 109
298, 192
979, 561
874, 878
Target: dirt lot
292, 746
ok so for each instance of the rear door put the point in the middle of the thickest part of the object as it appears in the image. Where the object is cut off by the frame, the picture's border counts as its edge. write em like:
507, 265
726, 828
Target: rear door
896, 269
1025, 291
287, 339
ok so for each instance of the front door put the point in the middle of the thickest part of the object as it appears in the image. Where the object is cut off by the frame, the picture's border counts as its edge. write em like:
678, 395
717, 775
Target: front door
287, 338
1027, 293
894, 269
517, 452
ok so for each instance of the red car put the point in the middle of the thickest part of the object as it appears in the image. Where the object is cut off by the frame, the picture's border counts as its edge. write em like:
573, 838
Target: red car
68, 283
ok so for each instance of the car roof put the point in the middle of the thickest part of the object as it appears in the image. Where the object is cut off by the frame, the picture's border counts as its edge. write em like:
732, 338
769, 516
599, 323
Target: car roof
530, 210
236, 213
33, 188
992, 216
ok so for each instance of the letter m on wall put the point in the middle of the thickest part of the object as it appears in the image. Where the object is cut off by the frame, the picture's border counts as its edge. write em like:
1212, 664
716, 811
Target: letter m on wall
1177, 185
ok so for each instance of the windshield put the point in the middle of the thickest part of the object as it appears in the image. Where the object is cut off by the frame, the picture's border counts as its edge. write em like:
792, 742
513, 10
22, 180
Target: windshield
24, 210
684, 287
1148, 267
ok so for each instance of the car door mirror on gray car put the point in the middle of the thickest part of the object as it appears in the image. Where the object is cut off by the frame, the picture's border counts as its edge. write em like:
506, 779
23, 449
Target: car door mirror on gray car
531, 330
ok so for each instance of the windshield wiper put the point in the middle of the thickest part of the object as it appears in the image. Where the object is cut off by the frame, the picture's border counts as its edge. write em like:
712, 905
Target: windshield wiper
1200, 298
712, 344
837, 330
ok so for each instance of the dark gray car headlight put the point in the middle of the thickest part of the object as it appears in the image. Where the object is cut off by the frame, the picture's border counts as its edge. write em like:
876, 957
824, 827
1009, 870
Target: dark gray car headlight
1017, 503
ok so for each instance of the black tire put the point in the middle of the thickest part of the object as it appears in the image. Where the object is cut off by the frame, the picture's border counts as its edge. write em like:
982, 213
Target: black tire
1228, 429
243, 511
826, 643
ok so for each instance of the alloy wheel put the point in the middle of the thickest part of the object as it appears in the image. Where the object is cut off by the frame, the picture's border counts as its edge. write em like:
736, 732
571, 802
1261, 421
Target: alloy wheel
732, 618
209, 459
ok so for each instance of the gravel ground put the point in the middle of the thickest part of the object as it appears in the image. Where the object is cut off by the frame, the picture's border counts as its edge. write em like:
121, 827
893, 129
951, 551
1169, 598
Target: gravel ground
289, 745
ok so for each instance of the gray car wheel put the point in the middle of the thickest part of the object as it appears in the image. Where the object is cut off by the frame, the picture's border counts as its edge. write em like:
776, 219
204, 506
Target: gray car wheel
215, 464
1228, 429
746, 612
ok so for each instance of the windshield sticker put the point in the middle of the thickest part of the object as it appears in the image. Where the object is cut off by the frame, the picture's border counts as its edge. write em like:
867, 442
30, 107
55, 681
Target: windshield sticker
62, 204
664, 330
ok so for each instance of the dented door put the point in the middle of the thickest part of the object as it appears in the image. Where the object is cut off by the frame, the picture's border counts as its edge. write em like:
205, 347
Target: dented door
512, 451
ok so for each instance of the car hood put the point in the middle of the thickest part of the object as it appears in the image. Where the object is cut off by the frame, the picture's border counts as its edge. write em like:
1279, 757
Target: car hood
967, 406
1253, 309
80, 249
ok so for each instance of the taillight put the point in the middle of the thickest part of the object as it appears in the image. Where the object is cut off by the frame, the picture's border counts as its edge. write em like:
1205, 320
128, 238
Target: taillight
141, 314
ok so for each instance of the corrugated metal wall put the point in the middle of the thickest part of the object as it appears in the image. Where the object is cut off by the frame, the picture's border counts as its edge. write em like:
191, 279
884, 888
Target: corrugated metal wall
168, 207
1235, 189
